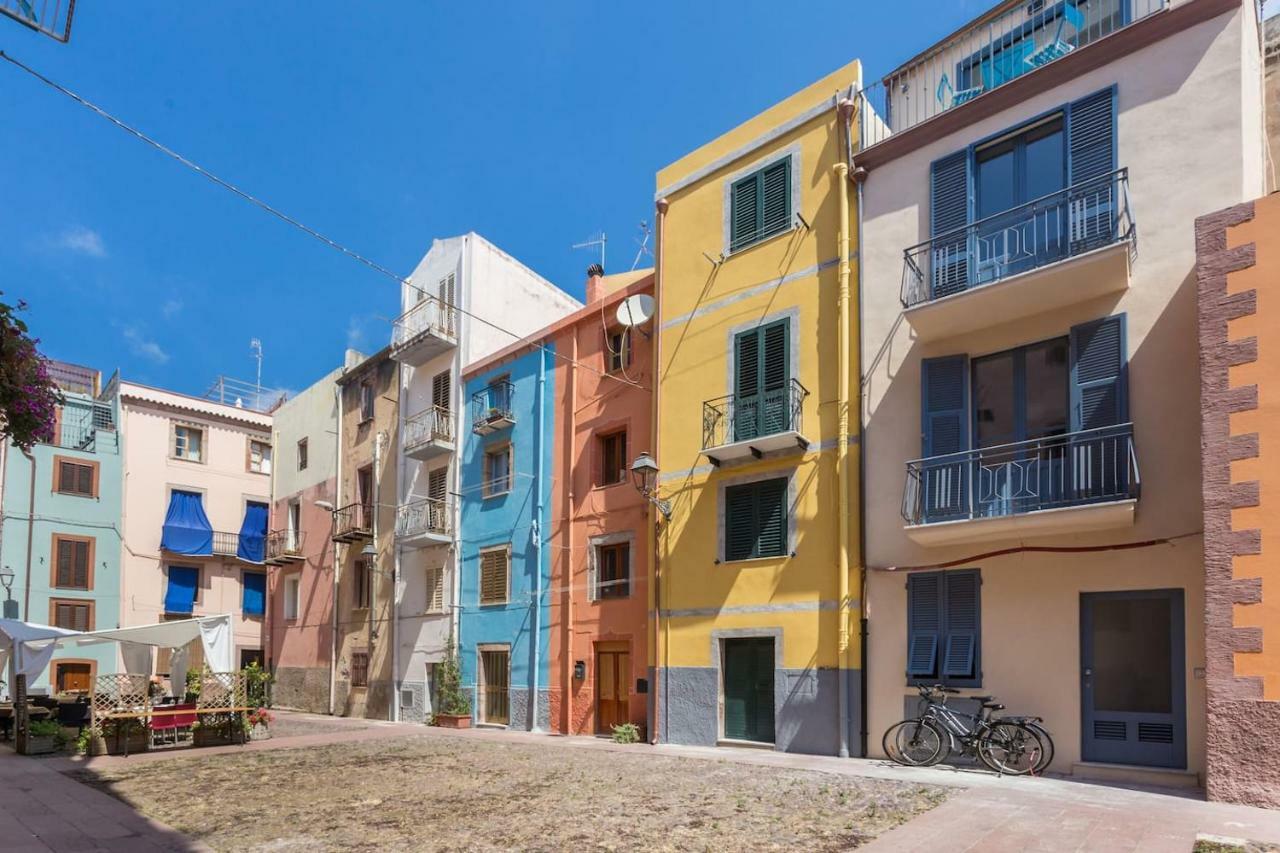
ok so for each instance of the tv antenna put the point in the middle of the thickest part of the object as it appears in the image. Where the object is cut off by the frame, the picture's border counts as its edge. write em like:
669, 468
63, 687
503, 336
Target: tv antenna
644, 243
255, 348
598, 240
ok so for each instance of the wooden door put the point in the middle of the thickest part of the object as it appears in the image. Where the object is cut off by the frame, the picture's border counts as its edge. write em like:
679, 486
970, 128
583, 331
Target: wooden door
73, 677
613, 675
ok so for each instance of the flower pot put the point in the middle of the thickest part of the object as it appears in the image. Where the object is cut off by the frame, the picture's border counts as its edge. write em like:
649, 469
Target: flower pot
260, 732
41, 745
453, 721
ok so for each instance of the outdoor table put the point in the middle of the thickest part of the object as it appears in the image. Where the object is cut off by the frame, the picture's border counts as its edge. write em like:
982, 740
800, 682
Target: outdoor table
129, 716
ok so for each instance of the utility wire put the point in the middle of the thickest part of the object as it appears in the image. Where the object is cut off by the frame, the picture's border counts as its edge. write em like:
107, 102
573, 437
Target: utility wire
284, 217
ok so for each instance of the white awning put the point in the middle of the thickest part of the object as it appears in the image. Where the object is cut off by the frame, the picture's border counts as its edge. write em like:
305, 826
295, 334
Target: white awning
30, 646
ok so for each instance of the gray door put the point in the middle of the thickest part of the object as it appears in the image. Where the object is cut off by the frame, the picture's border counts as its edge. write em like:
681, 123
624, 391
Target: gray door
1132, 659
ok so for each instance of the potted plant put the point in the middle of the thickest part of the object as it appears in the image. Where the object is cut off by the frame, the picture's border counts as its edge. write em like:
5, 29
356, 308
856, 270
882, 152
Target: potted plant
260, 720
44, 737
455, 707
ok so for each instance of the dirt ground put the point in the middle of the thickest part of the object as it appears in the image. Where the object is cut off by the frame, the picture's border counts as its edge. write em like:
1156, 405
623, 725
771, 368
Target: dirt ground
445, 793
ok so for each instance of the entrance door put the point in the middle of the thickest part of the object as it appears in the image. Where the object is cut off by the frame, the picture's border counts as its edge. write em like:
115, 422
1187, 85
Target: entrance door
495, 665
613, 675
748, 689
1133, 677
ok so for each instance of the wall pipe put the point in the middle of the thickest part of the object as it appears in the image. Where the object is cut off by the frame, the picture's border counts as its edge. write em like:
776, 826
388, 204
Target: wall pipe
859, 176
655, 532
333, 602
841, 171
536, 528
376, 570
396, 550
31, 529
571, 431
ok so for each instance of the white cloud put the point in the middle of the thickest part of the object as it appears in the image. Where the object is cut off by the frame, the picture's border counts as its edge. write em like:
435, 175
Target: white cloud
171, 308
142, 346
355, 332
81, 240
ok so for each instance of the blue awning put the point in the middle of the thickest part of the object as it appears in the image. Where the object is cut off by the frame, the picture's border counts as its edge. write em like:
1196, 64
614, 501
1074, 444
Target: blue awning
254, 600
253, 533
186, 527
180, 597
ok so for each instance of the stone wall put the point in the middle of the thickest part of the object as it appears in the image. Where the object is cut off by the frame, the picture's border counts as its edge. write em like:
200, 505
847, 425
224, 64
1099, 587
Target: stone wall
301, 688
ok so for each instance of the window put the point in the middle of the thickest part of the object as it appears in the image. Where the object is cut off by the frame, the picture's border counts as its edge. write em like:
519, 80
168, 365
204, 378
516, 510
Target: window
613, 570
74, 477
442, 390
613, 458
188, 443
761, 367
71, 614
494, 569
366, 400
760, 205
755, 520
72, 562
259, 457
72, 676
302, 454
497, 470
363, 592
359, 669
253, 596
292, 589
944, 628
438, 483
435, 590
183, 590
617, 355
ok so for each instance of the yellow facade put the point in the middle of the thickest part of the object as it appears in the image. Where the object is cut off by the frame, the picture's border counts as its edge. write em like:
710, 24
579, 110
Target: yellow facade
708, 295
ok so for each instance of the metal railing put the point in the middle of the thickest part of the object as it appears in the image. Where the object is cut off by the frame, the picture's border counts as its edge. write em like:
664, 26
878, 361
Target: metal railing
430, 315
285, 543
492, 405
352, 519
1078, 219
425, 516
1023, 38
225, 544
433, 424
83, 425
734, 418
1092, 466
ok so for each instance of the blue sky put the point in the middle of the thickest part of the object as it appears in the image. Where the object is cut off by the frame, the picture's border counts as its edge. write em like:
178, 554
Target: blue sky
534, 124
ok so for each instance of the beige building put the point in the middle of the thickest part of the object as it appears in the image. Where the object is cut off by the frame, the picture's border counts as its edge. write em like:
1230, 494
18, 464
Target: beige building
1029, 189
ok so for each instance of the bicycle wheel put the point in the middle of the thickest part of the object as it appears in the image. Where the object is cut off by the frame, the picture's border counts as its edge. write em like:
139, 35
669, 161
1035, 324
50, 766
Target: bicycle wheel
1010, 748
913, 743
1046, 745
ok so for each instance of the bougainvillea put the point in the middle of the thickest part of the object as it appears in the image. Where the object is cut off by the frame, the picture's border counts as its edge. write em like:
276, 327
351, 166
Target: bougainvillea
29, 399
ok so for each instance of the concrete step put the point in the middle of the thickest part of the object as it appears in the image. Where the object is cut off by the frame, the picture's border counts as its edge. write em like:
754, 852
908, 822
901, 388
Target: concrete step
1159, 777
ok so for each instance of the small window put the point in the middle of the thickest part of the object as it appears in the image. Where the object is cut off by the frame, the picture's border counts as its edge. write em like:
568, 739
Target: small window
497, 470
613, 458
617, 355
253, 593
435, 590
188, 443
944, 628
359, 669
613, 570
73, 562
70, 614
259, 457
366, 400
494, 569
363, 583
76, 478
755, 520
72, 676
760, 205
302, 454
292, 587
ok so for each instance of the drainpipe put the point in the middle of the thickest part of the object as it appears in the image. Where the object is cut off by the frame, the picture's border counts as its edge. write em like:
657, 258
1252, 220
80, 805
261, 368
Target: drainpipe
841, 171
31, 525
395, 553
571, 431
536, 529
655, 534
333, 603
377, 568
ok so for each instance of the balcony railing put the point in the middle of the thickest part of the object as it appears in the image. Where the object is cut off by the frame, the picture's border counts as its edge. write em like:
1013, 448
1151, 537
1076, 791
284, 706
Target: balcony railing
425, 517
353, 521
84, 425
491, 407
733, 419
430, 316
1062, 225
225, 544
1023, 38
433, 424
284, 545
1076, 469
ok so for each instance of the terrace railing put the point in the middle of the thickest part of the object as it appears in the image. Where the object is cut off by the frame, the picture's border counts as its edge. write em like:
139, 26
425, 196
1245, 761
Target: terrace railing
491, 407
1019, 40
734, 418
285, 544
433, 424
1075, 469
430, 315
1055, 227
85, 425
225, 544
353, 520
425, 516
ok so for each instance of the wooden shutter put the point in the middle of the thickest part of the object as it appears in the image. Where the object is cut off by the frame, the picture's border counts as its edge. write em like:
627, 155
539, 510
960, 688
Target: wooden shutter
944, 386
435, 590
746, 385
1099, 374
72, 616
438, 483
771, 518
1091, 143
744, 200
74, 478
493, 576
775, 198
442, 389
962, 627
739, 522
924, 623
73, 563
949, 211
755, 522
775, 414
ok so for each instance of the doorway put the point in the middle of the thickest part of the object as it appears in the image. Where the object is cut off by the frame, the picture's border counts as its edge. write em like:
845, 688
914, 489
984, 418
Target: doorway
613, 675
1132, 676
748, 689
495, 669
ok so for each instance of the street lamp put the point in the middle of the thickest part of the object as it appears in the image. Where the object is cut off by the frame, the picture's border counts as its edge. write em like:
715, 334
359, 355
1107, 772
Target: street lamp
10, 606
644, 476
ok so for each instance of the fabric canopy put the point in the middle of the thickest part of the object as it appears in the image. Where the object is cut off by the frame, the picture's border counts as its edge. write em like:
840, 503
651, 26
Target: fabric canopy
214, 633
28, 660
180, 596
253, 533
254, 600
186, 527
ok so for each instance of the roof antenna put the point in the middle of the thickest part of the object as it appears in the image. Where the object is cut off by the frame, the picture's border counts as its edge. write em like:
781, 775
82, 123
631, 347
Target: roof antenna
644, 244
596, 240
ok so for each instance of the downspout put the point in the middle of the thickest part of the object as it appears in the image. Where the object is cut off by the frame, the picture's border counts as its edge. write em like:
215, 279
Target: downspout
395, 551
539, 508
571, 431
841, 171
376, 569
31, 526
656, 694
333, 602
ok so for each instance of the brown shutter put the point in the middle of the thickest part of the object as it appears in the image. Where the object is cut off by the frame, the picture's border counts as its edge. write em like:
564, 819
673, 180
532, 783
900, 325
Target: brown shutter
493, 577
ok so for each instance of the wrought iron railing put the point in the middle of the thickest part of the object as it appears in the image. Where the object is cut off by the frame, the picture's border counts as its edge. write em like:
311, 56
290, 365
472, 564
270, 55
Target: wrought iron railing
734, 418
225, 544
285, 543
85, 425
1055, 227
425, 516
430, 315
433, 424
1018, 41
492, 405
353, 519
1092, 466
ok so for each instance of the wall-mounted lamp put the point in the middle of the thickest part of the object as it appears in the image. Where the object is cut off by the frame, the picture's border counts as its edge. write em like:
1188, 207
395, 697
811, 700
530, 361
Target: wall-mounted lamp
325, 505
644, 476
10, 606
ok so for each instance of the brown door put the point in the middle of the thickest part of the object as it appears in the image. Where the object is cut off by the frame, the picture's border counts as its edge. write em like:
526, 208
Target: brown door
73, 677
613, 672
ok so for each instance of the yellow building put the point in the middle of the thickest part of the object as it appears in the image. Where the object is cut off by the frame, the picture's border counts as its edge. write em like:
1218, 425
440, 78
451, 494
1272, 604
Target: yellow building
755, 325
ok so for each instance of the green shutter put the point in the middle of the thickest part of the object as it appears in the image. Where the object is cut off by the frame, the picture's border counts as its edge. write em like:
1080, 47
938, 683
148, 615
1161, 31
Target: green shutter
755, 520
762, 372
739, 522
771, 518
748, 668
744, 204
760, 205
746, 386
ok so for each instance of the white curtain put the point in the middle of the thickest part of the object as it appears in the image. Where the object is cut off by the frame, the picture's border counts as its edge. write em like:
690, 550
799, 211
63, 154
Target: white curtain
215, 635
137, 658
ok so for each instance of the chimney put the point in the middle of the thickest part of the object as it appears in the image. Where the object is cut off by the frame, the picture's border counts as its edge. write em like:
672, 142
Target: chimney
595, 273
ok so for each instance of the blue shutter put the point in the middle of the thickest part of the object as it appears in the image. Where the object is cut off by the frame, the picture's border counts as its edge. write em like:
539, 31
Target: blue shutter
944, 386
924, 623
252, 542
186, 528
180, 596
1092, 137
1099, 374
253, 601
949, 211
962, 625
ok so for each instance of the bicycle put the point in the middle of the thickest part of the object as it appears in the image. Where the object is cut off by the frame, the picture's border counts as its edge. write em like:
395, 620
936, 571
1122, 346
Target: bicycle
1013, 745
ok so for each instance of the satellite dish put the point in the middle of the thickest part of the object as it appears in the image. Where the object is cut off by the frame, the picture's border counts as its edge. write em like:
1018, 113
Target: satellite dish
635, 310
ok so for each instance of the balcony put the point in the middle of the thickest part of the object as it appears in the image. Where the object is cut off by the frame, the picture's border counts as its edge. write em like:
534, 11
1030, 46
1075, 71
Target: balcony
735, 427
425, 522
424, 331
1063, 484
1014, 40
1061, 249
84, 425
353, 523
284, 547
491, 408
429, 433
225, 544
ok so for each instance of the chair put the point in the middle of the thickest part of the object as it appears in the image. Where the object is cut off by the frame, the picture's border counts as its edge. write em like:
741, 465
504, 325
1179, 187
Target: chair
73, 715
956, 98
1059, 47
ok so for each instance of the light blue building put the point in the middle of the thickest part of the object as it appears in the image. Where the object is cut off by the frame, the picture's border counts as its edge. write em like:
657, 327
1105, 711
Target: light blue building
505, 568
61, 528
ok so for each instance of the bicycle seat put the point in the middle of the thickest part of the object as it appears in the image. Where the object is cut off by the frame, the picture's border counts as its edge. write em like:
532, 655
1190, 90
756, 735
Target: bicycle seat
993, 706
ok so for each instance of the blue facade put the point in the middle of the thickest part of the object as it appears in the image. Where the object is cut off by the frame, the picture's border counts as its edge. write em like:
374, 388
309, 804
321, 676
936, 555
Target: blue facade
518, 517
71, 505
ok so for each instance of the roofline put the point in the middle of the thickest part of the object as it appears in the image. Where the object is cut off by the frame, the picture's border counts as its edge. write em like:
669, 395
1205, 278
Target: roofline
209, 407
381, 355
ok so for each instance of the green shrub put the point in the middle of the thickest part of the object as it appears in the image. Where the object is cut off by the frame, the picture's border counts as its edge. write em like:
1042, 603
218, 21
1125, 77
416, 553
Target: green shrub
453, 700
626, 733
